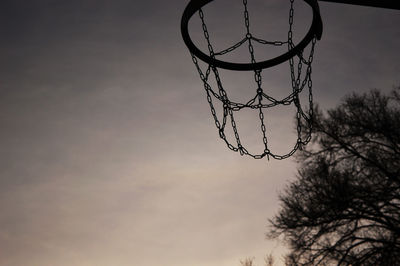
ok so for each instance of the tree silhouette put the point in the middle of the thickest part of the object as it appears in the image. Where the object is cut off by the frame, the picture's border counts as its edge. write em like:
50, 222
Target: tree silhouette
269, 261
344, 207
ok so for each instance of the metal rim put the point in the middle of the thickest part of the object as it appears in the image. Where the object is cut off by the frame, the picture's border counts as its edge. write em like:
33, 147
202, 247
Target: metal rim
194, 6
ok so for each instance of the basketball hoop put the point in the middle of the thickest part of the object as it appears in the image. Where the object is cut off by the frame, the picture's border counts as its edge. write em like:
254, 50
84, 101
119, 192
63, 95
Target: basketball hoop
261, 100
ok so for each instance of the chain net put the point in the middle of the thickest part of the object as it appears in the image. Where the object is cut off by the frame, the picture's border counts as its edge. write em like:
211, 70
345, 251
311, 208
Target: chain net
261, 100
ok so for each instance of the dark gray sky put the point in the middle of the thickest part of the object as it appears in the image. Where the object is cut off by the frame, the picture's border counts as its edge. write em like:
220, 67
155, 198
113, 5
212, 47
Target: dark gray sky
109, 152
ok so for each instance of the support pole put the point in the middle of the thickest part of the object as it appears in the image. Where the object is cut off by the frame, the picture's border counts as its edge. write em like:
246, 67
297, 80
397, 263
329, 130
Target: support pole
392, 4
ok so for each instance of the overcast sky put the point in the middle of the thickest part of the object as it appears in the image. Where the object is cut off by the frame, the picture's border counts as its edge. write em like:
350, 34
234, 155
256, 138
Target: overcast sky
109, 154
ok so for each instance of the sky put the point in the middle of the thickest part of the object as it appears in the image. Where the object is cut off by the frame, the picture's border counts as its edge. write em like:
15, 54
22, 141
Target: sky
109, 154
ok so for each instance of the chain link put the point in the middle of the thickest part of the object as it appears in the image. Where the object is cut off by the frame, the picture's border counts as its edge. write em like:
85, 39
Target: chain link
261, 101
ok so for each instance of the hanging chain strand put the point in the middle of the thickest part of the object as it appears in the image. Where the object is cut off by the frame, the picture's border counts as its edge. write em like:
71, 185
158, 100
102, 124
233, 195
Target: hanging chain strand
261, 100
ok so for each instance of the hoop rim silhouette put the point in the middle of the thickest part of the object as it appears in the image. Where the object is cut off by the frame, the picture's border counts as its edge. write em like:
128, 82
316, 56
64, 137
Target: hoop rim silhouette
193, 6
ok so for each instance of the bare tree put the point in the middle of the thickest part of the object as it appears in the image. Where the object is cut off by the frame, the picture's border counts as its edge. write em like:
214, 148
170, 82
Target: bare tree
247, 262
269, 261
344, 207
